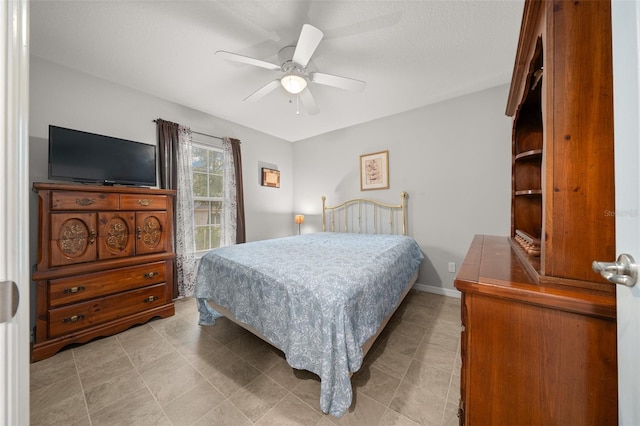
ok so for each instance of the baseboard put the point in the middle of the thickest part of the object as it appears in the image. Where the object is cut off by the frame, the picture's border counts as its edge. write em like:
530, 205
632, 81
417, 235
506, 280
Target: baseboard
437, 290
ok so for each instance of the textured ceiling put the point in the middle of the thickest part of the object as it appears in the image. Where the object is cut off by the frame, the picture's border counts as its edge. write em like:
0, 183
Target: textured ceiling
410, 53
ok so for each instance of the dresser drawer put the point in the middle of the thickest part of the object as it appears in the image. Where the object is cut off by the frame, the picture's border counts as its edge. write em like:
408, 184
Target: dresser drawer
143, 202
62, 200
76, 317
82, 287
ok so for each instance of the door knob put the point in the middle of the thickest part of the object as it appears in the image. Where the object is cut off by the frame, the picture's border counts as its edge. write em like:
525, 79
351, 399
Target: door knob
622, 271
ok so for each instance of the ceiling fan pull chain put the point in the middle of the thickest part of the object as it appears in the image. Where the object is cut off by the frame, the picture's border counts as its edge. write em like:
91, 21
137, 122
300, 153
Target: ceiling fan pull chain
297, 104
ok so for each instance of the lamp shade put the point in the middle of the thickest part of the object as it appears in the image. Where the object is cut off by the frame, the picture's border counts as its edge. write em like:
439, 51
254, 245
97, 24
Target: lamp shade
299, 219
293, 83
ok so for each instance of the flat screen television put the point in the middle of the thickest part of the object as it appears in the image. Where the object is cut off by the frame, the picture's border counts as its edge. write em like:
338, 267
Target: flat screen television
86, 157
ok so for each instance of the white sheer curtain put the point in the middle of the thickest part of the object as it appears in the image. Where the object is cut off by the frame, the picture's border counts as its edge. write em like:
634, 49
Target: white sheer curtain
185, 240
229, 201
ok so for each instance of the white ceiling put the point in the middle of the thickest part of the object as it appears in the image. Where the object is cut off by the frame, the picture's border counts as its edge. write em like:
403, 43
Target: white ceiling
410, 53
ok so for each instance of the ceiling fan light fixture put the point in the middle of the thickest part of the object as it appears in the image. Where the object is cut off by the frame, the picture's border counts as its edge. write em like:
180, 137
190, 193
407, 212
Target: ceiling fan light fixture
293, 83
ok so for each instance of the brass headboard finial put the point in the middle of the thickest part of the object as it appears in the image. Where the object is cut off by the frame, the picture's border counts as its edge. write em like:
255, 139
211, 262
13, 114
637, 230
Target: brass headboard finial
323, 209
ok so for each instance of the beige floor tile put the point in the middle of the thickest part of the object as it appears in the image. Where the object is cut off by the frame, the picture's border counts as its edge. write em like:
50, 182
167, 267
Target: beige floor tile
308, 390
139, 408
97, 352
364, 411
162, 366
376, 384
419, 315
390, 361
82, 422
210, 363
444, 340
54, 393
138, 337
224, 330
408, 328
291, 411
258, 397
417, 404
113, 390
436, 356
452, 328
145, 354
287, 376
404, 344
392, 418
100, 373
59, 403
173, 326
193, 404
453, 397
450, 417
226, 414
48, 371
230, 377
191, 345
256, 351
433, 379
170, 386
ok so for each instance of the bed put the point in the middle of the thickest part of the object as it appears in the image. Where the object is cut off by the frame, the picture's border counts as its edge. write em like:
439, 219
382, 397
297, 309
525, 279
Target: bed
321, 298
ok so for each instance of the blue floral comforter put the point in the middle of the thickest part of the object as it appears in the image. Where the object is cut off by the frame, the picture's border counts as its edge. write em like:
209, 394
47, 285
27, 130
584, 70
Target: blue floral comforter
316, 297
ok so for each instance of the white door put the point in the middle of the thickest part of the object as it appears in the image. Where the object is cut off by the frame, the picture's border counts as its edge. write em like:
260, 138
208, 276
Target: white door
626, 72
14, 205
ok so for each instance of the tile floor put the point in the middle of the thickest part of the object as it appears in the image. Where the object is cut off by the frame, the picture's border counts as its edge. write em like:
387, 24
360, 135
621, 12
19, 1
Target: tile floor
173, 372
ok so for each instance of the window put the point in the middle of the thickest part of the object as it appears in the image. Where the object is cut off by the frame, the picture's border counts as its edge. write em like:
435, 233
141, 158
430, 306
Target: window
207, 195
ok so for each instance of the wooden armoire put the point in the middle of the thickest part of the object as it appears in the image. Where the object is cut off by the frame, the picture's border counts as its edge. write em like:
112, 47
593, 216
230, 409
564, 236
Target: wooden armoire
539, 325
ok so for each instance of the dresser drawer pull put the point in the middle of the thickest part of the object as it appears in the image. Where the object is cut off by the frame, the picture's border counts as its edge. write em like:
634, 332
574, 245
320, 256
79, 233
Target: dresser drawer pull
139, 233
144, 202
74, 318
150, 299
85, 201
73, 290
92, 236
150, 275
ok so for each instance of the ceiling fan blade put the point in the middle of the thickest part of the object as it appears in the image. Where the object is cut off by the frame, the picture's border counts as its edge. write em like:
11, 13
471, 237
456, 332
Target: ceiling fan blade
247, 60
337, 81
308, 42
258, 94
309, 103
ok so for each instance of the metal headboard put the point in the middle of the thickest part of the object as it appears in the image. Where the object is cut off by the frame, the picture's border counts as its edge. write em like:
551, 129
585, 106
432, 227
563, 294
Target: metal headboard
365, 214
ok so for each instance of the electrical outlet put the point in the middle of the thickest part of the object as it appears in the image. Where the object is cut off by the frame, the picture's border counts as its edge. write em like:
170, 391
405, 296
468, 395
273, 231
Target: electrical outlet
452, 266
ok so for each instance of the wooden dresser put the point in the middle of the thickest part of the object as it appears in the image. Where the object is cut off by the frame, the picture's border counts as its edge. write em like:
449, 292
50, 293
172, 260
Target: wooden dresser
539, 325
105, 262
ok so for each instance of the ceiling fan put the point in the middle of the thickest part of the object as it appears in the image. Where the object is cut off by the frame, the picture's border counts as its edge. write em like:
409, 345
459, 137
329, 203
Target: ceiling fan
293, 63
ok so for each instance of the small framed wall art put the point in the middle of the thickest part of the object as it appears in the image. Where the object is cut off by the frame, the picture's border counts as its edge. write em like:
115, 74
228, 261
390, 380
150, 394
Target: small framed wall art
270, 177
374, 171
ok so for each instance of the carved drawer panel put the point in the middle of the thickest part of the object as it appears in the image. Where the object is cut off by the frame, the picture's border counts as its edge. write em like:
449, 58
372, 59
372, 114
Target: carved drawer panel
143, 202
82, 287
73, 238
151, 232
76, 317
116, 234
62, 200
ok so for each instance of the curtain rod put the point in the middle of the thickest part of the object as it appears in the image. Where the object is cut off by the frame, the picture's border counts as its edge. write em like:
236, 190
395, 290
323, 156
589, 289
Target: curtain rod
202, 134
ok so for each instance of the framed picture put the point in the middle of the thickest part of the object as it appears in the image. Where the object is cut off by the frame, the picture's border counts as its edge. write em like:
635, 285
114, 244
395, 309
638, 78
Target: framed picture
374, 171
270, 177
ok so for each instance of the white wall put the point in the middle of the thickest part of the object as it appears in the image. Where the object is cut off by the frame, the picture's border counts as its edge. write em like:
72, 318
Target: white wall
68, 98
453, 158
